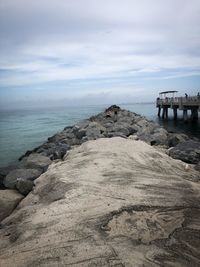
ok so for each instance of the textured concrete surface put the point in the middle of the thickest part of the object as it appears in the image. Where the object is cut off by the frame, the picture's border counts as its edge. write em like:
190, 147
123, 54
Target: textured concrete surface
111, 202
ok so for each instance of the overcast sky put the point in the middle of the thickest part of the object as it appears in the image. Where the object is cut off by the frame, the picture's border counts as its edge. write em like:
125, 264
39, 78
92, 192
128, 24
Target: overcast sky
97, 51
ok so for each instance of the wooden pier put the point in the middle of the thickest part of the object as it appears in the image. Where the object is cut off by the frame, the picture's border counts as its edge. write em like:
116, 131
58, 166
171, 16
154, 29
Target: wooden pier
168, 100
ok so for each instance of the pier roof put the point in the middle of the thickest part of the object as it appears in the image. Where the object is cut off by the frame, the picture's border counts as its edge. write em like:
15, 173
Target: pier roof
167, 92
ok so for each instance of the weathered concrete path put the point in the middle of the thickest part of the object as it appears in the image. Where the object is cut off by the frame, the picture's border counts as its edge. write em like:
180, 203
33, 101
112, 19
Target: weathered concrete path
111, 202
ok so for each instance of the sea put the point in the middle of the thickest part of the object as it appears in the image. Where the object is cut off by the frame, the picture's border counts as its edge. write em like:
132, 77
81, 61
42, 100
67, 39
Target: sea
22, 130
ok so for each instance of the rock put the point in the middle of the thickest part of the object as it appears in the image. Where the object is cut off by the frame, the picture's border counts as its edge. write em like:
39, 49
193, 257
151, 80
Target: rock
36, 161
111, 202
24, 186
133, 137
94, 131
153, 136
1, 183
197, 166
159, 137
81, 133
188, 151
26, 174
5, 170
113, 108
68, 128
75, 129
143, 123
176, 138
59, 151
115, 134
9, 199
83, 124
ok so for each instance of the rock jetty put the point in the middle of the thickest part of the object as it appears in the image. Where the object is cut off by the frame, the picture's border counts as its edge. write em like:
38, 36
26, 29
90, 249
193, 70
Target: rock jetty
109, 202
113, 122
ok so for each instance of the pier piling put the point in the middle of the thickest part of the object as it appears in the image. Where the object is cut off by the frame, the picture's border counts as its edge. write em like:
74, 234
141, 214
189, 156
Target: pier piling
178, 103
194, 114
185, 114
175, 113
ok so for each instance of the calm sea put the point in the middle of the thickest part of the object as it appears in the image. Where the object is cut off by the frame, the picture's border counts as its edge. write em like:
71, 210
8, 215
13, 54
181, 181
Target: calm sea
22, 130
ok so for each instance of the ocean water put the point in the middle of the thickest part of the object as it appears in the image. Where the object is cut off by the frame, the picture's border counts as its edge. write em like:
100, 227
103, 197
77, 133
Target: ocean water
22, 130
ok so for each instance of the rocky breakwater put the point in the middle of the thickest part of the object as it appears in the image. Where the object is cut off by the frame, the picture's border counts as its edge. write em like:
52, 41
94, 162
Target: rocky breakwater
113, 122
110, 202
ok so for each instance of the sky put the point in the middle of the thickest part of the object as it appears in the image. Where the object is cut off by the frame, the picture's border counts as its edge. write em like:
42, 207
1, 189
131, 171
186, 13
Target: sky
65, 52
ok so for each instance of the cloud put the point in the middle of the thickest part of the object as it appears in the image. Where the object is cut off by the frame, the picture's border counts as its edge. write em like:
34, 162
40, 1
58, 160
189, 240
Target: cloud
92, 42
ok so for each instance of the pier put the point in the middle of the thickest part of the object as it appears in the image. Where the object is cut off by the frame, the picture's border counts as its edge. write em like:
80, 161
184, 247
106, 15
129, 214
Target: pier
168, 100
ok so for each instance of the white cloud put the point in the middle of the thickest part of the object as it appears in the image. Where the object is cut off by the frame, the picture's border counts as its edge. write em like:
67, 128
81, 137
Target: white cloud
44, 41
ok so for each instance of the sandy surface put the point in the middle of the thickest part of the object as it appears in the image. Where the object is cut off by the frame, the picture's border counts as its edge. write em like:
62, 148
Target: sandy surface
111, 202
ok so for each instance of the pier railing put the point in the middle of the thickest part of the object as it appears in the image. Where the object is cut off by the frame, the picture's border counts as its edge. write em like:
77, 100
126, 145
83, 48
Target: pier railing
179, 101
182, 103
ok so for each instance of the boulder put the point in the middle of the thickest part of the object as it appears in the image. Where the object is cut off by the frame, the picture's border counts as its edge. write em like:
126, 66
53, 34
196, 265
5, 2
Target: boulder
133, 137
9, 199
59, 151
111, 202
197, 167
81, 133
142, 123
1, 183
94, 131
188, 151
5, 170
26, 174
113, 108
83, 124
36, 161
115, 134
157, 136
24, 186
176, 138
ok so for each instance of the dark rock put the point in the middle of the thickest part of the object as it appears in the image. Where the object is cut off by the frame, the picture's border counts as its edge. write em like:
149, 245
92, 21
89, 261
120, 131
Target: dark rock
197, 167
83, 124
59, 151
5, 170
159, 137
120, 130
68, 128
9, 199
36, 161
116, 134
26, 174
1, 183
153, 136
81, 133
175, 138
24, 186
94, 131
188, 151
113, 108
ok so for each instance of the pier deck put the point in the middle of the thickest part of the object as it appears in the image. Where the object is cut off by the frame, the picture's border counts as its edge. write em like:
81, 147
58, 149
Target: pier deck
186, 103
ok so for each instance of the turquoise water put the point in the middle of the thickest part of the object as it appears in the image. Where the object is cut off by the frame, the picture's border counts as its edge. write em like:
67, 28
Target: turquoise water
22, 130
